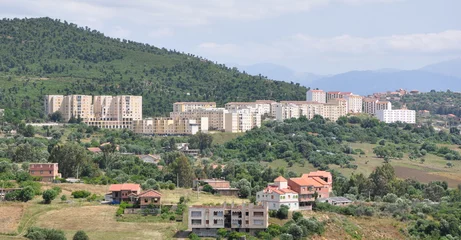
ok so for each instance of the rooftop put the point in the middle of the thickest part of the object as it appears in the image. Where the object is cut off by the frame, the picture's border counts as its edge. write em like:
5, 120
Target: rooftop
280, 179
150, 193
124, 187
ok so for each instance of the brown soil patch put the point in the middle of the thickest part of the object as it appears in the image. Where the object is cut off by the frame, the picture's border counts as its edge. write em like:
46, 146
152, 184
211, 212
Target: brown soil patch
425, 177
68, 188
10, 215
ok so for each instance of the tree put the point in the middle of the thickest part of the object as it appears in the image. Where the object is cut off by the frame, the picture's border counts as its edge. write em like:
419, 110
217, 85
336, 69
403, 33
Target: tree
71, 158
49, 195
295, 231
208, 188
183, 170
282, 213
80, 235
29, 131
36, 233
26, 194
286, 236
297, 216
201, 141
380, 178
244, 187
56, 116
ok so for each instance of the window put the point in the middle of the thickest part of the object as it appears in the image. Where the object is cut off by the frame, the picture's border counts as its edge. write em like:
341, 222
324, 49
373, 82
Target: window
196, 222
272, 196
146, 200
41, 172
258, 222
50, 172
196, 214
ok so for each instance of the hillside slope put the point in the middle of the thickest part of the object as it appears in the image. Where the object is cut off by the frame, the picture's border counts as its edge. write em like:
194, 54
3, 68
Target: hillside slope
44, 56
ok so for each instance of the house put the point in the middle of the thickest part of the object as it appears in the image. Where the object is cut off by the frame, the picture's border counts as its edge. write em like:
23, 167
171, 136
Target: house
324, 175
149, 198
184, 148
46, 171
125, 192
206, 220
221, 187
117, 147
94, 149
278, 194
336, 201
150, 158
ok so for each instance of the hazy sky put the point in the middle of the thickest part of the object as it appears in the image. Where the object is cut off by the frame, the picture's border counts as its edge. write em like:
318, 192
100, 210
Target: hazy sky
319, 36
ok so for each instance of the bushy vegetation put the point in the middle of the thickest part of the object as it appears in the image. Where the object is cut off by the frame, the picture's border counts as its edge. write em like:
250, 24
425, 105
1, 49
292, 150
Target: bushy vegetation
80, 194
52, 57
36, 233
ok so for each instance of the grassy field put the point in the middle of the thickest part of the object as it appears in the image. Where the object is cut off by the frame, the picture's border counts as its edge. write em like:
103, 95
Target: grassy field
223, 137
98, 221
434, 168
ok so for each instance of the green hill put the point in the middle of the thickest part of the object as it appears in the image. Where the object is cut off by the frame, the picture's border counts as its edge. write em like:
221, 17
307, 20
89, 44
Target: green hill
45, 56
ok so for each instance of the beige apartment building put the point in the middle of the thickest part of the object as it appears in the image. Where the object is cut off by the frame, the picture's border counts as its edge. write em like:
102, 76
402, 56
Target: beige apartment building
371, 105
354, 103
113, 112
242, 120
261, 107
334, 109
206, 220
216, 116
316, 96
170, 126
189, 106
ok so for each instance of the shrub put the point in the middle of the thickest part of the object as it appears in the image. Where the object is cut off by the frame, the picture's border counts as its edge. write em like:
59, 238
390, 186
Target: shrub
193, 236
63, 198
57, 189
36, 233
49, 195
80, 235
208, 188
282, 213
297, 216
36, 186
80, 194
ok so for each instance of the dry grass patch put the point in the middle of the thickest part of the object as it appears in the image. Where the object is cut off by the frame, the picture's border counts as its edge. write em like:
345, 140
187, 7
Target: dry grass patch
172, 197
10, 216
68, 188
99, 222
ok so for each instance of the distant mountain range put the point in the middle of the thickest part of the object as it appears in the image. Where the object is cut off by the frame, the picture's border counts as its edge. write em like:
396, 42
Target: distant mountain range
440, 76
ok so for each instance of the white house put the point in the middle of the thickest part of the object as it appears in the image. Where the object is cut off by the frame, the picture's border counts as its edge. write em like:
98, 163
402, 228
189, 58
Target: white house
278, 194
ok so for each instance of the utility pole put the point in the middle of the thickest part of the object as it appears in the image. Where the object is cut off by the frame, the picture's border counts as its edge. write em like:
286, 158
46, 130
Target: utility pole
177, 180
198, 184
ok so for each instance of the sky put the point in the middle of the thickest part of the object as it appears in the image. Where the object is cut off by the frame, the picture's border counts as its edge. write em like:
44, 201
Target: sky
317, 36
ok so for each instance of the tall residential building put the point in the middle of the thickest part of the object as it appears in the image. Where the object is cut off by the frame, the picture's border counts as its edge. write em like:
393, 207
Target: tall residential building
262, 108
242, 120
189, 106
52, 103
170, 126
206, 220
316, 96
103, 111
335, 108
287, 110
269, 103
371, 105
354, 103
397, 115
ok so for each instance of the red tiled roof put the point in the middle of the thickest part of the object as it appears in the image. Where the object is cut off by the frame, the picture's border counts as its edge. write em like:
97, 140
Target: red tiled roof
280, 179
124, 187
94, 149
150, 193
307, 182
317, 174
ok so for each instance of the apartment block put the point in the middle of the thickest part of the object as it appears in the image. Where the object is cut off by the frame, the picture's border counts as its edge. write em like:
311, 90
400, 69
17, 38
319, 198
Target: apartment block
354, 103
242, 120
316, 96
336, 95
114, 112
46, 171
371, 105
397, 115
189, 106
335, 108
170, 126
288, 109
216, 116
260, 107
206, 220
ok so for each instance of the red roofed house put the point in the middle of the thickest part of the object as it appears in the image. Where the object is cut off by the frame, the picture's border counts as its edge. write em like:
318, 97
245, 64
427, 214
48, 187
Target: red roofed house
307, 187
149, 197
278, 194
124, 192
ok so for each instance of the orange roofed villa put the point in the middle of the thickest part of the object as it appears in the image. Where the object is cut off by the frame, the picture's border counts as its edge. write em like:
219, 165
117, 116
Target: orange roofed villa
131, 193
297, 193
46, 171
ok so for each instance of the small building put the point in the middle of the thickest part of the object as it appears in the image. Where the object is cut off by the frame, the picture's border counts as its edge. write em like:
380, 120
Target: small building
148, 198
221, 187
4, 191
206, 220
125, 192
150, 158
46, 171
94, 149
336, 201
184, 148
277, 194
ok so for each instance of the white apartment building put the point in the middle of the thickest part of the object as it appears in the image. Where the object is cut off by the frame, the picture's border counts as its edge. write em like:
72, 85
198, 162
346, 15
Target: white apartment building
189, 106
261, 108
287, 110
371, 105
316, 96
354, 103
206, 220
397, 115
268, 104
242, 120
277, 194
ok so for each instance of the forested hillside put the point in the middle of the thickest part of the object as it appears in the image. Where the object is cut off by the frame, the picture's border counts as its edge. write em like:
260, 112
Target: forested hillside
45, 56
437, 102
